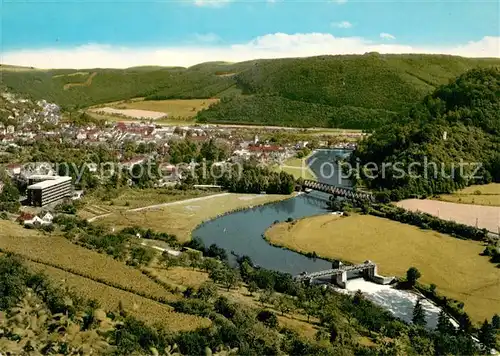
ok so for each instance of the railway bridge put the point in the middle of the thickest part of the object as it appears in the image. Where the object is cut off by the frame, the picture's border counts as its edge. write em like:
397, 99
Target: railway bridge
340, 273
336, 191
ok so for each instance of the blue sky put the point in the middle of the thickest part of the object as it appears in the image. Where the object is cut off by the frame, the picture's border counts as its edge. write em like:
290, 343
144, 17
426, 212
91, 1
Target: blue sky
224, 27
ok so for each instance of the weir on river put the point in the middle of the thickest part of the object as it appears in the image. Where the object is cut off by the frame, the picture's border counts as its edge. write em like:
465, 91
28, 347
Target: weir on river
339, 274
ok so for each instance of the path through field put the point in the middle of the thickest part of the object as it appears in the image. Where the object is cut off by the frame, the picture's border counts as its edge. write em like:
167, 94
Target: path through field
487, 217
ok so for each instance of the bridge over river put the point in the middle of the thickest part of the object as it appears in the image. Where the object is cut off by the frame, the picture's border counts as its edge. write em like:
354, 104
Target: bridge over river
345, 192
340, 273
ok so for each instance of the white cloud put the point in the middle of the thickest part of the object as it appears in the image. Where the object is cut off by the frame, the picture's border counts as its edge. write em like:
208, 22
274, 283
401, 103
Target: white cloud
387, 36
342, 24
268, 46
211, 3
206, 37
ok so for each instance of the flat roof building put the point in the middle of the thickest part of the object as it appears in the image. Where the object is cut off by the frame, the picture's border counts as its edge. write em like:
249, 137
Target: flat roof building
44, 190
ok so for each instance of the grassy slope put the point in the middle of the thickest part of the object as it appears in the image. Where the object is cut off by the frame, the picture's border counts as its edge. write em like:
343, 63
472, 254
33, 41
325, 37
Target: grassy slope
317, 91
455, 266
73, 262
109, 298
183, 277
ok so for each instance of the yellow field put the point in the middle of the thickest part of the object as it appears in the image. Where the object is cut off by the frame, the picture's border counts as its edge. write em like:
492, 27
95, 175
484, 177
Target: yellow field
174, 108
454, 265
56, 250
488, 194
109, 298
180, 219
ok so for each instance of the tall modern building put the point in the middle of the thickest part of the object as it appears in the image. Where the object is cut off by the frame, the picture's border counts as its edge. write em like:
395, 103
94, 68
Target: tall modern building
44, 190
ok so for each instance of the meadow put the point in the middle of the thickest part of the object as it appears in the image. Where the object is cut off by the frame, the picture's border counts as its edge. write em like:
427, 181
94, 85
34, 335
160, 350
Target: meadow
454, 265
488, 194
126, 199
180, 219
298, 168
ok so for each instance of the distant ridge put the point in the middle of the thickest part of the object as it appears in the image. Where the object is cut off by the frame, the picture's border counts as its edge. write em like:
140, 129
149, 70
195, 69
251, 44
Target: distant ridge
348, 91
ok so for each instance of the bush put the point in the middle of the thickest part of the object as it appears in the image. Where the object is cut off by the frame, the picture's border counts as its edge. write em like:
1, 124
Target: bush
268, 318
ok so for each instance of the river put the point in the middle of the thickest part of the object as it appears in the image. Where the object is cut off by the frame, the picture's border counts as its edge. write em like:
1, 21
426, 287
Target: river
241, 232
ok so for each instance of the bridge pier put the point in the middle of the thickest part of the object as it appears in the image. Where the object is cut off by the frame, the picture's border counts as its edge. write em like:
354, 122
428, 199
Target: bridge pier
340, 279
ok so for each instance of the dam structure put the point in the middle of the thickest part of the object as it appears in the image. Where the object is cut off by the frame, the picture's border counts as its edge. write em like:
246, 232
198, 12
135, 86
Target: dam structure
340, 273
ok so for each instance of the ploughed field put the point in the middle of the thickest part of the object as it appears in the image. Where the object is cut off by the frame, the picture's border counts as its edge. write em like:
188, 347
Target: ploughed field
454, 265
487, 217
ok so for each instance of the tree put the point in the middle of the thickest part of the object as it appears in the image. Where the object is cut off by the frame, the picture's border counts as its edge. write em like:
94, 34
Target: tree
268, 318
226, 276
194, 258
266, 296
487, 336
167, 260
412, 275
444, 325
419, 314
464, 323
252, 287
207, 291
284, 304
209, 264
495, 322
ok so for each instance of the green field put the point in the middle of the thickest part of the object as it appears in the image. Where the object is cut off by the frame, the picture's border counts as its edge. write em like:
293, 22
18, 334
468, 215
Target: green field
488, 194
454, 265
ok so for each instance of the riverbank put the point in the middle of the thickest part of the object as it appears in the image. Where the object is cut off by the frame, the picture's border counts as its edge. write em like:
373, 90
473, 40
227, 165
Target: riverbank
454, 265
183, 217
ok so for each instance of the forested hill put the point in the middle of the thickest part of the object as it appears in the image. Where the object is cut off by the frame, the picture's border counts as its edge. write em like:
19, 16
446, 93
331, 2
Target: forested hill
351, 91
457, 122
